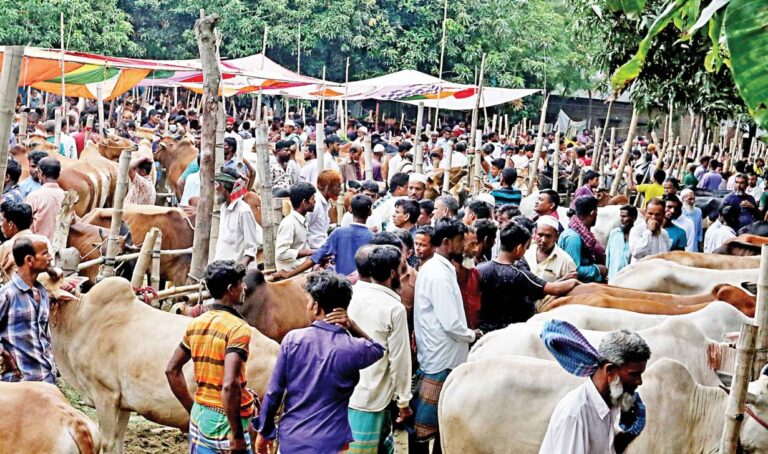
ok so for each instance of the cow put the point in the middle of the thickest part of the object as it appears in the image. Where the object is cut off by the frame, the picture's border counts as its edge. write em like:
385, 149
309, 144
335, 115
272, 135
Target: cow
592, 288
709, 261
37, 418
91, 243
713, 320
676, 338
743, 245
656, 275
113, 349
502, 404
174, 158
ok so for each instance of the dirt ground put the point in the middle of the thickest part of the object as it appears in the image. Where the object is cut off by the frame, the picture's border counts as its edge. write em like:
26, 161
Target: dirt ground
145, 437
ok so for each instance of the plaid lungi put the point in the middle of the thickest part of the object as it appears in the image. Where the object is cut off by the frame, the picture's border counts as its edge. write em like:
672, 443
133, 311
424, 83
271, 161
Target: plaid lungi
426, 393
372, 432
209, 431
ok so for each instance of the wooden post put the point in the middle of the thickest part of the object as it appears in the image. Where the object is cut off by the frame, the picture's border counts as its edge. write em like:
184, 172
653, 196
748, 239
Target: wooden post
418, 159
320, 147
145, 257
218, 161
556, 161
206, 42
473, 126
259, 114
22, 135
477, 166
625, 154
448, 157
88, 127
597, 155
761, 314
100, 106
368, 157
63, 221
121, 190
493, 123
608, 116
442, 55
265, 192
57, 115
734, 409
154, 275
533, 172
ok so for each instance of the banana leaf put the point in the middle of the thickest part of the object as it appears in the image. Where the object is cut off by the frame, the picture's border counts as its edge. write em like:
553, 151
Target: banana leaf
713, 61
747, 35
707, 14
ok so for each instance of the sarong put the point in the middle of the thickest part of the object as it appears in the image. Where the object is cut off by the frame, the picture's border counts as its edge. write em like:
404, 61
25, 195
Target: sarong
372, 432
209, 431
427, 387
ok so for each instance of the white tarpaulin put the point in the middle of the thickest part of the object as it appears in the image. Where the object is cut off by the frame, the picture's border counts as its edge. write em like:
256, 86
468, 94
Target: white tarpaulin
568, 126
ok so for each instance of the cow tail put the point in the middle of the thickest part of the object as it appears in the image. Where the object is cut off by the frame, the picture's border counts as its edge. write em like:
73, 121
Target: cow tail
80, 432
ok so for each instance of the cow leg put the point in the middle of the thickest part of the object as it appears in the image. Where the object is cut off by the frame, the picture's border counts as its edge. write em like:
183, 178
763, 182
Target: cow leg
113, 421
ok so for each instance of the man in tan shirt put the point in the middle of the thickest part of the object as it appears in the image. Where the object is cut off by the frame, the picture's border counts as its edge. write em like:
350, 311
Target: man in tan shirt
46, 201
547, 260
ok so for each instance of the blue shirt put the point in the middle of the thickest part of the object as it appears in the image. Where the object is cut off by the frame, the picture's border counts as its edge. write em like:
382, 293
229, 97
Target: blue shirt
746, 216
696, 216
12, 194
316, 370
617, 253
29, 185
587, 271
710, 181
25, 332
678, 237
344, 243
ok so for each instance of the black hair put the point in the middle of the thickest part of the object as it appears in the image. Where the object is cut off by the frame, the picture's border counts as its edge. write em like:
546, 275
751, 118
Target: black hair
22, 247
18, 213
411, 208
427, 205
361, 205
284, 144
481, 210
312, 148
630, 209
232, 142
329, 290
370, 185
301, 191
386, 238
405, 237
13, 170
36, 156
447, 228
678, 204
659, 176
524, 222
485, 228
554, 197
499, 163
50, 168
585, 205
509, 210
427, 230
509, 176
222, 274
513, 235
145, 166
398, 180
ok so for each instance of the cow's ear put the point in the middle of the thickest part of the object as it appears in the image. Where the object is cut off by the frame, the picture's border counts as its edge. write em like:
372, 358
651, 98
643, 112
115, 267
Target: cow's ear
751, 398
64, 296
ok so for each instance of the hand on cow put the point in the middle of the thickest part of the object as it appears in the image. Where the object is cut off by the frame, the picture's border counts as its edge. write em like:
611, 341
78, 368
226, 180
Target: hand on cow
279, 276
9, 364
603, 271
263, 446
569, 276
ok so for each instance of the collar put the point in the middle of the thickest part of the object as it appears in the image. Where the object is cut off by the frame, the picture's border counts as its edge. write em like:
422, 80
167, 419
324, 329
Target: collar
328, 326
10, 188
21, 285
300, 217
358, 224
51, 185
320, 198
225, 308
378, 288
232, 205
596, 399
444, 261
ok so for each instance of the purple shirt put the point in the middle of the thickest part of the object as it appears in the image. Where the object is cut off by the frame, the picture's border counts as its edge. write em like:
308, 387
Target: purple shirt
710, 181
582, 191
317, 369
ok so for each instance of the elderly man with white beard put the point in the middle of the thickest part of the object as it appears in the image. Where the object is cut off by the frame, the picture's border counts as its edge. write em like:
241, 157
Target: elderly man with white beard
585, 420
692, 212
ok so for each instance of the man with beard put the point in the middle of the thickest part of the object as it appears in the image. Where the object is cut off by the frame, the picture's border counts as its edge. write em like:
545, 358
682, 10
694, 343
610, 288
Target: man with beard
230, 132
692, 212
585, 420
683, 222
281, 174
239, 235
649, 238
742, 202
673, 209
617, 253
417, 183
547, 260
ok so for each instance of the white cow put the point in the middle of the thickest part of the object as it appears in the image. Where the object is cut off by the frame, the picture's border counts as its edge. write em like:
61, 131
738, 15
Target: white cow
714, 320
114, 349
677, 339
503, 404
663, 276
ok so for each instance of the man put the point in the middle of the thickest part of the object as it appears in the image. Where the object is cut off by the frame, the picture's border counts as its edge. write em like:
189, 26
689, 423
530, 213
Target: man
240, 236
153, 119
617, 251
673, 209
291, 240
289, 133
711, 180
371, 189
508, 193
32, 182
547, 260
670, 185
446, 206
652, 190
278, 164
689, 179
342, 244
67, 147
352, 168
376, 308
315, 375
585, 420
692, 212
442, 336
721, 230
25, 334
486, 231
753, 188
397, 162
476, 210
426, 207
15, 220
318, 220
230, 153
46, 201
743, 203
406, 214
650, 238
683, 222
580, 243
507, 291
422, 244
376, 165
384, 208
546, 204
702, 168
417, 184
11, 191
230, 132
309, 171
591, 182
217, 342
142, 190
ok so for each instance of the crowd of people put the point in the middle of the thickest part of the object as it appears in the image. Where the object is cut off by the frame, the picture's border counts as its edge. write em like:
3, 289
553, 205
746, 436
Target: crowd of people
399, 287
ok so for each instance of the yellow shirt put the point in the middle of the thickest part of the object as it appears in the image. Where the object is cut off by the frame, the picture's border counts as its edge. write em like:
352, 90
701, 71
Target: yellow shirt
650, 191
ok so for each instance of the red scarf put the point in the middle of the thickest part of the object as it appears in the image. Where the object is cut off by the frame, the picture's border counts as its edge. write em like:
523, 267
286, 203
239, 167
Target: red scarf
596, 250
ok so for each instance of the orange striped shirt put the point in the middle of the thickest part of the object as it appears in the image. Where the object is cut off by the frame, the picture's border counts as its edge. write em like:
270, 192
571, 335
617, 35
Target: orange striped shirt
208, 339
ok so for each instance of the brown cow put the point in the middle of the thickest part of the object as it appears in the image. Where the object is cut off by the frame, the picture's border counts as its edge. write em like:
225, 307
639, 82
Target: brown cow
37, 418
91, 243
604, 199
175, 157
710, 261
742, 245
621, 292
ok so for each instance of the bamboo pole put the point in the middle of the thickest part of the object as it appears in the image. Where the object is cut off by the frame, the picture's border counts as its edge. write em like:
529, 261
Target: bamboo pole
322, 100
761, 314
346, 93
473, 126
265, 192
57, 114
556, 162
154, 275
368, 157
22, 135
625, 153
121, 190
61, 61
320, 147
63, 221
218, 161
598, 150
259, 116
418, 159
206, 42
9, 82
448, 157
442, 55
145, 257
539, 143
298, 49
734, 409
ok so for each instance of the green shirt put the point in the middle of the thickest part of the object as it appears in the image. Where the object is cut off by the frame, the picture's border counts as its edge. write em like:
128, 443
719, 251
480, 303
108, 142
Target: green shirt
690, 180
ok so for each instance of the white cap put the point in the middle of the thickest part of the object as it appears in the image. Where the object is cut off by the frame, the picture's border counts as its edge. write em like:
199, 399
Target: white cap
363, 129
486, 197
289, 122
685, 192
549, 221
379, 148
417, 178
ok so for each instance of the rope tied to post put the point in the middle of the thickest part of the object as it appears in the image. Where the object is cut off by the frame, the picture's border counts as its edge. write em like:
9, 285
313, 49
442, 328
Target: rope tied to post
146, 293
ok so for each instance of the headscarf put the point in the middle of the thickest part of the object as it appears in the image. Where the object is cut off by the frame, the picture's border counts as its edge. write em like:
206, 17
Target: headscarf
570, 348
235, 186
596, 250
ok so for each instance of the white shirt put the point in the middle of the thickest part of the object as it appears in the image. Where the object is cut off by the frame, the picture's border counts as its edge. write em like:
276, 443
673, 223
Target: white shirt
383, 213
756, 192
440, 324
309, 171
290, 239
70, 148
642, 243
318, 222
239, 233
582, 423
690, 231
716, 235
457, 161
191, 188
379, 312
520, 161
394, 161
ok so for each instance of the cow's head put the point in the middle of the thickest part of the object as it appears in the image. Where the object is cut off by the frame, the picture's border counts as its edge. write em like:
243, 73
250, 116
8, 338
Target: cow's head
754, 433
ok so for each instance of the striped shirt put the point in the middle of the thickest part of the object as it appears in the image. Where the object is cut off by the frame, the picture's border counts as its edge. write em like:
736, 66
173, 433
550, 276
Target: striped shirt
208, 339
25, 332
